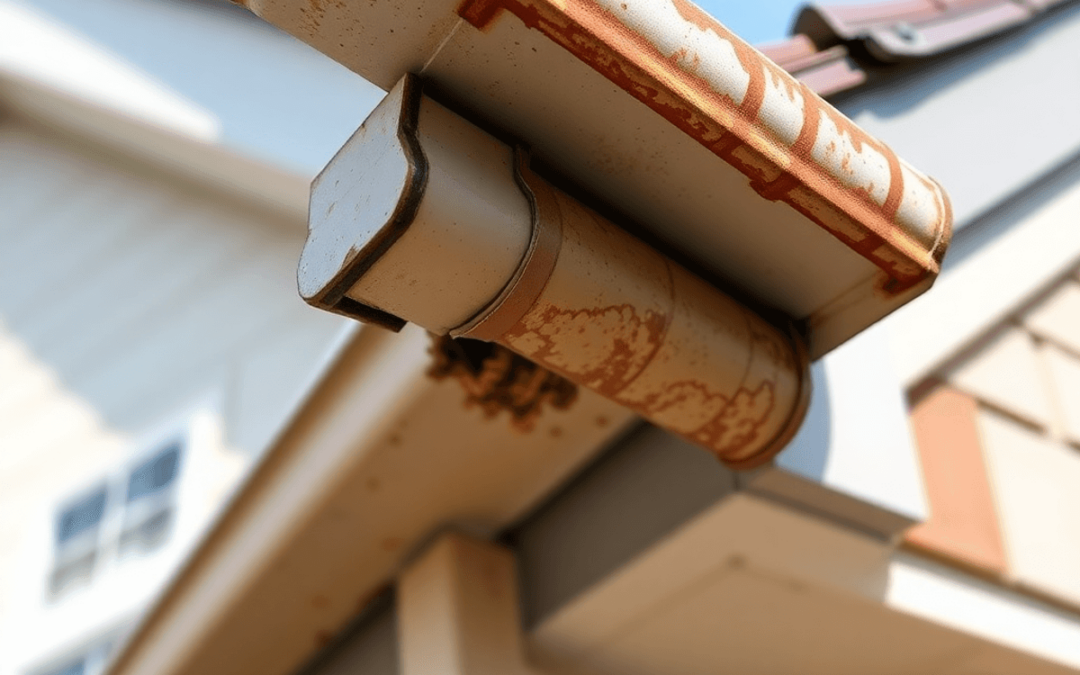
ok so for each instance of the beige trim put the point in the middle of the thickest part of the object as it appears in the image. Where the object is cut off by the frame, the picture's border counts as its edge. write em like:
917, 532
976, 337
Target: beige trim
379, 458
458, 611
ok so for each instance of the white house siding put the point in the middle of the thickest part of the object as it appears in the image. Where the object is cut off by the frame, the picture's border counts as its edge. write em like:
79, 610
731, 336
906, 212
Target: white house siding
131, 303
1025, 376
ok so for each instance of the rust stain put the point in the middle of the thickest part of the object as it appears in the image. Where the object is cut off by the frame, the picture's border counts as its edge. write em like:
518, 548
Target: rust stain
391, 544
642, 333
320, 601
480, 13
671, 85
603, 348
496, 379
740, 423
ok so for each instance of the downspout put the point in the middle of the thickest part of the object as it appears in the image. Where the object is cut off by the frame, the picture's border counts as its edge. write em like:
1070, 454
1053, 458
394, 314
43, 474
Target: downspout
424, 217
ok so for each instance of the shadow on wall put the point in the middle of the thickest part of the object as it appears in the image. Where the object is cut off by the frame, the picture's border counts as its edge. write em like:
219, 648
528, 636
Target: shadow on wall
808, 452
643, 489
1013, 212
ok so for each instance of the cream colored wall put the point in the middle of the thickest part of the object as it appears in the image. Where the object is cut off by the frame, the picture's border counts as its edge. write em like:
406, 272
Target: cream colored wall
1025, 375
131, 302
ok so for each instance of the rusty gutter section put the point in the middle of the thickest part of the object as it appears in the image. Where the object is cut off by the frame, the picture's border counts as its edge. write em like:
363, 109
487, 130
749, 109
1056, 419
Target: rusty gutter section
792, 145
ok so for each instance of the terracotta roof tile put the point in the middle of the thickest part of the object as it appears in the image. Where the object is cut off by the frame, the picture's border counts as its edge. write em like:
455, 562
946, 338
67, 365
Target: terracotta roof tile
826, 71
832, 24
792, 49
833, 77
887, 32
947, 31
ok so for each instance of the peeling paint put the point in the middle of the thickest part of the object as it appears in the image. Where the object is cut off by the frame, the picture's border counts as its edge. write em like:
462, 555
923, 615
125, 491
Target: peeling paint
615, 316
792, 146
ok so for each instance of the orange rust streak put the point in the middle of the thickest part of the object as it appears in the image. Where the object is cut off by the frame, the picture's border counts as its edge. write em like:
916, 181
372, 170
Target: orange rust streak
633, 63
860, 139
480, 13
736, 417
707, 429
612, 375
755, 93
663, 331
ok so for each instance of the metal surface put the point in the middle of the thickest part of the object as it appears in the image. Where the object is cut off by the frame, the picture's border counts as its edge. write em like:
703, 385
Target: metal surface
792, 146
660, 111
570, 291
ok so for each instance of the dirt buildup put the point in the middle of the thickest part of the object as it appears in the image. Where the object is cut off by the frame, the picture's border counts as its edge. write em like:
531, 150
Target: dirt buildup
496, 379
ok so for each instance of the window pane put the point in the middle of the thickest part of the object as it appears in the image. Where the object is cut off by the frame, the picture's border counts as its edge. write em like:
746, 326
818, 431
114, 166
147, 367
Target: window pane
154, 474
81, 516
71, 572
147, 534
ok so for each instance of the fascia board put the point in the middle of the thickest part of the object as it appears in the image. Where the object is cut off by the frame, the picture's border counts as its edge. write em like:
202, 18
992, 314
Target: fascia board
1007, 618
998, 625
745, 529
659, 110
380, 458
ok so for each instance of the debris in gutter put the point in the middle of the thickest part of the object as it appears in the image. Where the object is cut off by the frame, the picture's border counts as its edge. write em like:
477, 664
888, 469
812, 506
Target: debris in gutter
496, 379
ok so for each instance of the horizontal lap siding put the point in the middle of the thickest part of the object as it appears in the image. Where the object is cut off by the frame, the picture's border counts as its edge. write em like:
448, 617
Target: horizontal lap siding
125, 296
1008, 427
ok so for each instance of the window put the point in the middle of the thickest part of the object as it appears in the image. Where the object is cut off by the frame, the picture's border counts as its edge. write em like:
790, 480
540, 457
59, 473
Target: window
77, 532
81, 517
130, 513
148, 513
155, 474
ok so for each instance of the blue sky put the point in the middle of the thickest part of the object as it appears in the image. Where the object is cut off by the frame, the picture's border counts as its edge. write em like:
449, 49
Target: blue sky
760, 21
756, 21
